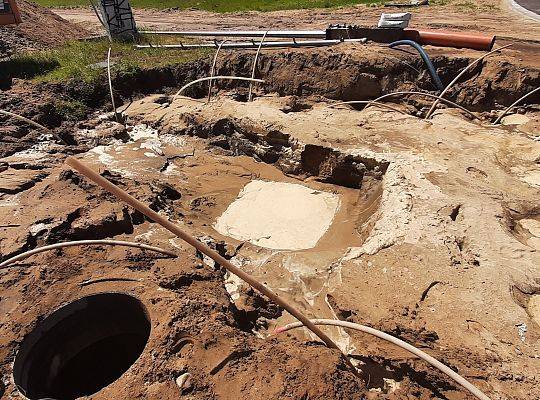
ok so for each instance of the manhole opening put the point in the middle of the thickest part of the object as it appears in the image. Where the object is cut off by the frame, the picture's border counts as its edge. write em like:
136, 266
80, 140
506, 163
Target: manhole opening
82, 347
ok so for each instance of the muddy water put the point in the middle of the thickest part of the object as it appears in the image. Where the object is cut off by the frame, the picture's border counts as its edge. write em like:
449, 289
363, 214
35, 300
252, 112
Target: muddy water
209, 180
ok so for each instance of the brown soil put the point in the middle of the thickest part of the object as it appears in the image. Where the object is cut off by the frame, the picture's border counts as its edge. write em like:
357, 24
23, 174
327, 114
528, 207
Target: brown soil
432, 241
40, 28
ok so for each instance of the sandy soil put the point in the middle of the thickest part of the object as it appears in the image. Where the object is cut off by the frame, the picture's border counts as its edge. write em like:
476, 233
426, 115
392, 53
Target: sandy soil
436, 239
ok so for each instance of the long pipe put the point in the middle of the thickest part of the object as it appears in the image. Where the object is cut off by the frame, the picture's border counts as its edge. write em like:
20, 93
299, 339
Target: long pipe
425, 57
398, 342
425, 95
275, 34
468, 67
29, 253
212, 78
253, 45
204, 249
515, 104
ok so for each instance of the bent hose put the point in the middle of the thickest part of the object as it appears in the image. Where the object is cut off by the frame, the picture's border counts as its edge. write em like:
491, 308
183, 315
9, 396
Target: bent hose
468, 67
212, 78
404, 345
425, 57
432, 96
27, 254
515, 103
213, 70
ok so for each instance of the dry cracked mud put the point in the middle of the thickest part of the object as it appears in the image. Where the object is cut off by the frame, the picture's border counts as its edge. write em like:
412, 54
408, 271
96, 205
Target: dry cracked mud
435, 239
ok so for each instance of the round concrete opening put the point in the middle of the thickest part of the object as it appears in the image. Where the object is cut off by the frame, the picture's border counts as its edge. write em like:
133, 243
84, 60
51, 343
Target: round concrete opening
82, 347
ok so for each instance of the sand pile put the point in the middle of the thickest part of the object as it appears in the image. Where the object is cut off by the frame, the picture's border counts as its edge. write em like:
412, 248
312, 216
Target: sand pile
40, 28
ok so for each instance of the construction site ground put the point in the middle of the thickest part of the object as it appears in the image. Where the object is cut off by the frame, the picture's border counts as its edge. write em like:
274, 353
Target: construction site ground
428, 230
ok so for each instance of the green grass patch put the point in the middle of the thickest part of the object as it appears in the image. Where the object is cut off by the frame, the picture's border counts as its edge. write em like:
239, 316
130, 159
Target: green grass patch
86, 61
220, 6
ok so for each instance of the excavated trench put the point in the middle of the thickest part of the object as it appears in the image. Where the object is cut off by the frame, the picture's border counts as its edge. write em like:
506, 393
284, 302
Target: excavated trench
361, 72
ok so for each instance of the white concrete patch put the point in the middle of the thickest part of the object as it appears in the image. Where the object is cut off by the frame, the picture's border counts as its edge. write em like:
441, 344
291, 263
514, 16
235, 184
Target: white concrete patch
279, 215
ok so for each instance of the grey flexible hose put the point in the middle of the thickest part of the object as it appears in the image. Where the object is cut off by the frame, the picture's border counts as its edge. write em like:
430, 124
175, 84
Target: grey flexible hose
27, 254
468, 67
33, 123
233, 78
515, 103
425, 57
398, 342
250, 95
425, 95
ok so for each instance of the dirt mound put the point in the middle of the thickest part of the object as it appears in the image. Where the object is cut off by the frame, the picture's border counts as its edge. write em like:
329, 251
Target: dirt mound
40, 27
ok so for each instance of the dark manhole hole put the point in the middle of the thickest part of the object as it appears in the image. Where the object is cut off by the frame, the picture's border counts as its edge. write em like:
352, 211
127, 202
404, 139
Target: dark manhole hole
82, 347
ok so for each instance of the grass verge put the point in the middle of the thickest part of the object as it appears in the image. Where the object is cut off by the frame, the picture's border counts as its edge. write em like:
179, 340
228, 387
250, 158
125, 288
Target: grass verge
220, 5
86, 61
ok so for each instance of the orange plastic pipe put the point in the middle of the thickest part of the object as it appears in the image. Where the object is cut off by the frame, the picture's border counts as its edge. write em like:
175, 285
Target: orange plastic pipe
450, 39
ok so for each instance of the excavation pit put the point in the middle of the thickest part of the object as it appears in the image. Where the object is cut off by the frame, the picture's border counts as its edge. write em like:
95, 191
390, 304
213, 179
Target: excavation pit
82, 347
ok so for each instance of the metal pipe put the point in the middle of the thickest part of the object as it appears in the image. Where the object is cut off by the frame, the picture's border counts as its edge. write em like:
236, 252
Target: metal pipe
275, 34
253, 45
425, 57
450, 39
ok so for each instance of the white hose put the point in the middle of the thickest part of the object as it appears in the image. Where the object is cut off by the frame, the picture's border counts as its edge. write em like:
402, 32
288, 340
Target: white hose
468, 67
213, 70
250, 95
33, 123
398, 342
515, 103
375, 103
84, 243
110, 84
425, 95
211, 78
